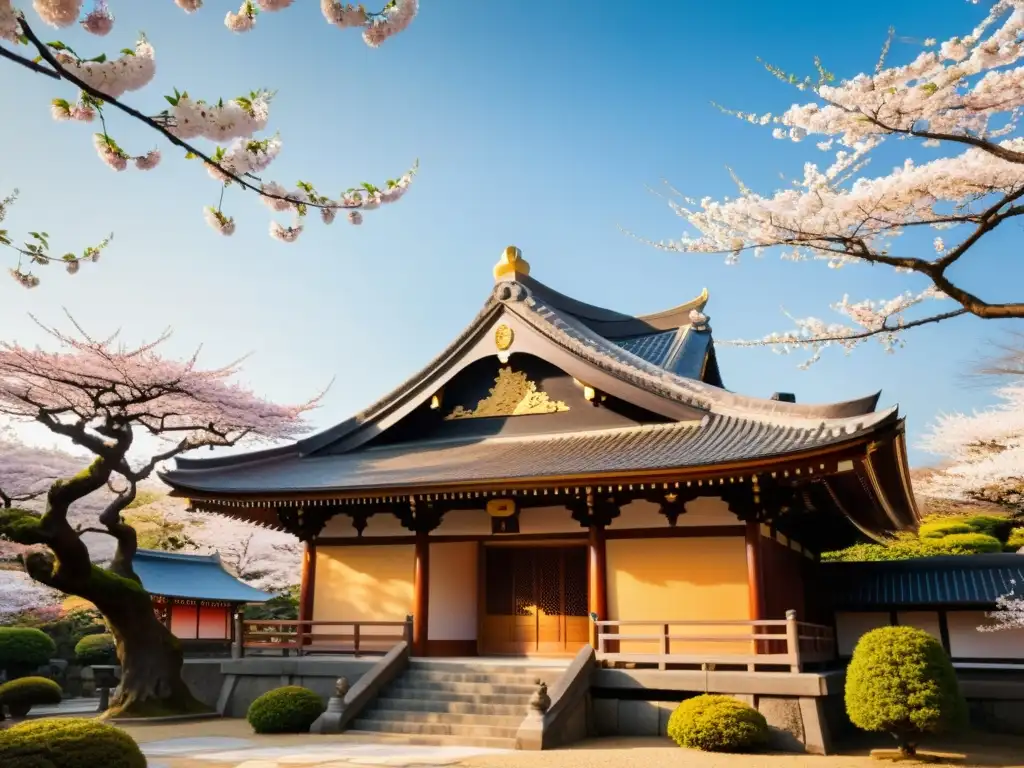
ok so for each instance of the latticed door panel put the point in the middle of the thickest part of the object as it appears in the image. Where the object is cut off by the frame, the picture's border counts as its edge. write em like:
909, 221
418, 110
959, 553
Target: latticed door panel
548, 565
575, 581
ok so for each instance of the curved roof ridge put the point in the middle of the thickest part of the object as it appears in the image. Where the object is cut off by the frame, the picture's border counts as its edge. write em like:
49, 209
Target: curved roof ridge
586, 311
577, 337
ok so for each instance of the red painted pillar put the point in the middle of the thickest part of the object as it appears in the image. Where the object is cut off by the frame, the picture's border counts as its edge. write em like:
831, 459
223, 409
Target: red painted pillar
421, 594
597, 573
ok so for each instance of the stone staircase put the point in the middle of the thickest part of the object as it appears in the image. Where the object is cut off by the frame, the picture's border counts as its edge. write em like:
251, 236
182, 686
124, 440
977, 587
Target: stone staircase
468, 704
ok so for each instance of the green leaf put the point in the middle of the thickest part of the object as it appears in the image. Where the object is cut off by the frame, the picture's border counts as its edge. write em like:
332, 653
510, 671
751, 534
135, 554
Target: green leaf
127, 51
99, 59
22, 39
57, 45
190, 156
171, 100
37, 60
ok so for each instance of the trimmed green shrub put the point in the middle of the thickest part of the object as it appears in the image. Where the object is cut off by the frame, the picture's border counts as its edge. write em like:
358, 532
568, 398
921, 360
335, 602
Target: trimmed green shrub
995, 526
96, 649
22, 694
941, 528
23, 650
69, 742
901, 681
971, 543
1016, 540
718, 724
291, 709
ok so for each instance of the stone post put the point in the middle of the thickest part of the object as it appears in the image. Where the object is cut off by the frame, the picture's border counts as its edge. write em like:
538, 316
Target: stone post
330, 720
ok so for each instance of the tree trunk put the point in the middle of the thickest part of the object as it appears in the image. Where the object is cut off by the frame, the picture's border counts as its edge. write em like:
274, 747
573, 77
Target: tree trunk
151, 659
907, 748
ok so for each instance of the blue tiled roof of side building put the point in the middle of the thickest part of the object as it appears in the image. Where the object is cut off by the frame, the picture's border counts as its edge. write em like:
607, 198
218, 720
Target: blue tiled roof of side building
956, 580
198, 577
660, 349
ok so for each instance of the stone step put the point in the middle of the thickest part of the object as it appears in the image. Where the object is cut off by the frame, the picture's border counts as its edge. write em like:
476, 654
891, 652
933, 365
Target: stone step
436, 729
470, 696
455, 707
485, 668
442, 686
496, 678
452, 718
381, 737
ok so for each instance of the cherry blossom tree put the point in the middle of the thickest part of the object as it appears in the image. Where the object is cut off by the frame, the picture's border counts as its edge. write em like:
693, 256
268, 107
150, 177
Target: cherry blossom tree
957, 103
99, 394
1009, 613
99, 84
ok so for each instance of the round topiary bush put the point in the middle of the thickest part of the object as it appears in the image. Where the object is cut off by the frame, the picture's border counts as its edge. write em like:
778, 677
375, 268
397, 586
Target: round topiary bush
901, 681
19, 696
96, 649
971, 543
940, 528
291, 709
718, 724
23, 650
70, 742
994, 525
1015, 540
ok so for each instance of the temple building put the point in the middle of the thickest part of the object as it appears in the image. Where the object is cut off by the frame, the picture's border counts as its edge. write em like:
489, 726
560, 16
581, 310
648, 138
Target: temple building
195, 597
557, 462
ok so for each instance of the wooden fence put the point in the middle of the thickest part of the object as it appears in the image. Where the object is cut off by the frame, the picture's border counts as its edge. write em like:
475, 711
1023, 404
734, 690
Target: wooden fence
769, 642
306, 637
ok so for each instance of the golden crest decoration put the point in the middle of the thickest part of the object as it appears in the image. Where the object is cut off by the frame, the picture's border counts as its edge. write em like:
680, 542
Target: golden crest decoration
513, 394
503, 337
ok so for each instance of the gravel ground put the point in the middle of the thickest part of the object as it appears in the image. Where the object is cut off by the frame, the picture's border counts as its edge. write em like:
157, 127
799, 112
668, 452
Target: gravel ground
985, 750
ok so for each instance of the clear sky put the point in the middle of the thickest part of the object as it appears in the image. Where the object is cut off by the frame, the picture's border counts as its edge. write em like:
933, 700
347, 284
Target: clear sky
538, 125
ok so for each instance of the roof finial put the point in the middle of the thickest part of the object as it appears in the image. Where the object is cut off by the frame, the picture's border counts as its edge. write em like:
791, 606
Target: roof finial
511, 265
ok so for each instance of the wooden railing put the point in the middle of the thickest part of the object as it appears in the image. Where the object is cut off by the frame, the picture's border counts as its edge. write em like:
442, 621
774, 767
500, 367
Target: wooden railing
770, 642
306, 637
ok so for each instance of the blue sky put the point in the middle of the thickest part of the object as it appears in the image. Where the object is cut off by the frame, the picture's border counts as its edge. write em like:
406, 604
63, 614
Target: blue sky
535, 125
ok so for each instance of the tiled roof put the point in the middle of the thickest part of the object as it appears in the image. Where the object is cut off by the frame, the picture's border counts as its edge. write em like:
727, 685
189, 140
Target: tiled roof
714, 440
964, 580
196, 577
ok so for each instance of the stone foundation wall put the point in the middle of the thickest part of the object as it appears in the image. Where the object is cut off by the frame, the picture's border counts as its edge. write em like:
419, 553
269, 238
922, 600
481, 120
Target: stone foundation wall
798, 724
243, 680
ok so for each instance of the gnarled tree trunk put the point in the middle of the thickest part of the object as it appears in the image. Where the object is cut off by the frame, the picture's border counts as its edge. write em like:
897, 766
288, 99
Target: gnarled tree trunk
151, 659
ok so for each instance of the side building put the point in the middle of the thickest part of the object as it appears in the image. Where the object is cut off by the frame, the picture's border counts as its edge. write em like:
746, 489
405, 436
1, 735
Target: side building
557, 462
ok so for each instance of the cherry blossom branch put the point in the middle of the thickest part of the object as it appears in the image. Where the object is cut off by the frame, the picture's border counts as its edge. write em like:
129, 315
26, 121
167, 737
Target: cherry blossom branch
28, 63
950, 96
37, 250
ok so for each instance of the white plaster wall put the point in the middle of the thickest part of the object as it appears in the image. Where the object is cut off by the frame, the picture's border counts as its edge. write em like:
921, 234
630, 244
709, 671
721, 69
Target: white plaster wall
340, 526
707, 510
926, 620
453, 591
850, 626
555, 519
464, 522
967, 642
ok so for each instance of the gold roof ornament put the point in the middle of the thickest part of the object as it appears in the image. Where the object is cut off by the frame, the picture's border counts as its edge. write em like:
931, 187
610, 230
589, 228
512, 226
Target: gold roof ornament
511, 265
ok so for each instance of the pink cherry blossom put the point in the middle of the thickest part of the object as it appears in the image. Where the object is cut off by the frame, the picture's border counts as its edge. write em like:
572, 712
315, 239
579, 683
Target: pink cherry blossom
99, 21
58, 13
221, 223
273, 203
109, 154
148, 161
115, 77
285, 234
243, 20
233, 119
189, 6
9, 30
60, 109
355, 217
328, 214
83, 113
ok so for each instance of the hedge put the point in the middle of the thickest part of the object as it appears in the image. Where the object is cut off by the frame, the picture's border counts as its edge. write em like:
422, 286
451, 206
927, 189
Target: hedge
718, 724
69, 742
23, 650
96, 649
291, 709
901, 681
19, 696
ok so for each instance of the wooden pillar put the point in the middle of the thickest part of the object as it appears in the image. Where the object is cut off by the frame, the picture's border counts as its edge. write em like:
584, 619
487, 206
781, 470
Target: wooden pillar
308, 582
597, 577
755, 582
421, 594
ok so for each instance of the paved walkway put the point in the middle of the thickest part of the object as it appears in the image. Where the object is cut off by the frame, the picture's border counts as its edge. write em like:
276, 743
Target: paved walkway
75, 707
246, 753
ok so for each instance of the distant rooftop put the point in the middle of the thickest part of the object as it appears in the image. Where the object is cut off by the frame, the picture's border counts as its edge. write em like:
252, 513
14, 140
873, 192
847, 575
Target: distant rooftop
195, 577
962, 581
